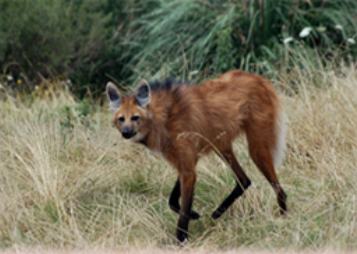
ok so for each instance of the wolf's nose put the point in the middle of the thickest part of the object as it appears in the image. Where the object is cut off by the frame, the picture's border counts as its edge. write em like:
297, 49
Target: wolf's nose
126, 133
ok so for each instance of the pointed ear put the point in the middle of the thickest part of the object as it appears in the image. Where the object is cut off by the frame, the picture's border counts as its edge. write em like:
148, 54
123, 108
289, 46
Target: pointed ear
142, 94
113, 96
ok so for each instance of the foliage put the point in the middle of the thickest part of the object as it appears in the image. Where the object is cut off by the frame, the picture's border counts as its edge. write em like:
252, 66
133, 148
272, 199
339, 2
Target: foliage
43, 39
225, 53
186, 38
83, 112
92, 41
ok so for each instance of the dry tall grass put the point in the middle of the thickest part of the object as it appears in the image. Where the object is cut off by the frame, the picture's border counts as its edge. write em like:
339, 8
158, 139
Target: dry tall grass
70, 181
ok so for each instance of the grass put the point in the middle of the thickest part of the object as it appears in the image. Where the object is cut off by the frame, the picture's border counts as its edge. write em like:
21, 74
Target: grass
68, 180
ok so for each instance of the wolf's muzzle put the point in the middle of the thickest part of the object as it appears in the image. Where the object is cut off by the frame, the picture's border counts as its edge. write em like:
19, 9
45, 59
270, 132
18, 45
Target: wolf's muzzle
127, 133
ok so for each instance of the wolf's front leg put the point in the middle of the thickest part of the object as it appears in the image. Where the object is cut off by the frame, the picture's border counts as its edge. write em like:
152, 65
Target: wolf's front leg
174, 201
187, 180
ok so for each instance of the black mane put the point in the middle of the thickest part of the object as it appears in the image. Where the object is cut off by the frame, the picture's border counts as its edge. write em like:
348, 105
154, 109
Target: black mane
166, 84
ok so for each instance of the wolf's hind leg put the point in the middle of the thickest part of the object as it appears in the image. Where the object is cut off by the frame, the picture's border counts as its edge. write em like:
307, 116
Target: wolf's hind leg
242, 180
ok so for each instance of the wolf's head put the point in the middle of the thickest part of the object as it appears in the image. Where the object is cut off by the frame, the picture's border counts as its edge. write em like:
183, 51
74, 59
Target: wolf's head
130, 112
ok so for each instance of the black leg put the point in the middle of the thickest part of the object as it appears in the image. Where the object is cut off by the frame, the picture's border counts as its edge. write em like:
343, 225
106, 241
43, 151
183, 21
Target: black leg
282, 197
187, 186
174, 201
243, 182
267, 169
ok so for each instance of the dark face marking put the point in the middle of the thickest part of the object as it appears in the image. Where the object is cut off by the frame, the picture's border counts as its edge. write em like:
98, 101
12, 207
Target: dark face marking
135, 118
129, 123
127, 132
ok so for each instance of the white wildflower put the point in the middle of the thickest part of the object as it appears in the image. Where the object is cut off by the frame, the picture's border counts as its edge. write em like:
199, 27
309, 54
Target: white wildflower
194, 72
9, 77
287, 40
338, 27
305, 32
36, 87
351, 41
321, 29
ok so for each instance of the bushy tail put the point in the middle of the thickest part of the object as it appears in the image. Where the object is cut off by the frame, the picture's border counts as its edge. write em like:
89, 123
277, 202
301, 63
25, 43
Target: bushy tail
280, 143
279, 128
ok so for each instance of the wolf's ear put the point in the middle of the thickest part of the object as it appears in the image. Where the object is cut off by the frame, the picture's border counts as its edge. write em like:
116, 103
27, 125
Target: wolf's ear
142, 94
113, 96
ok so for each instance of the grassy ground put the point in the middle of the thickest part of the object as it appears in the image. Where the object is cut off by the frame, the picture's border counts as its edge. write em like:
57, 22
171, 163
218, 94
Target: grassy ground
161, 251
68, 180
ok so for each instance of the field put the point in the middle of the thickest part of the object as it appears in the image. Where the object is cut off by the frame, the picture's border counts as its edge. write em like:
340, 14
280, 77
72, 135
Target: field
69, 181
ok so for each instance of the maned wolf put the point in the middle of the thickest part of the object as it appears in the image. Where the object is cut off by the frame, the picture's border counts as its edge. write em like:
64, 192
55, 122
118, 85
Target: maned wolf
184, 122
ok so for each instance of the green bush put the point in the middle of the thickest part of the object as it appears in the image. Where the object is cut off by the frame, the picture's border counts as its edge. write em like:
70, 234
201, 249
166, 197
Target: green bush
226, 54
92, 41
44, 38
182, 35
116, 51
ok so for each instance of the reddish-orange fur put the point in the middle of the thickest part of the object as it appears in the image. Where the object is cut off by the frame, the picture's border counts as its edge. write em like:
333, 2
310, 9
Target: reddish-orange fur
190, 121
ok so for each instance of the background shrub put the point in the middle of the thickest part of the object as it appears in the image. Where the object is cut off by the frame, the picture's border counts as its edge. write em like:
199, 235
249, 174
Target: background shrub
60, 39
190, 37
92, 41
45, 38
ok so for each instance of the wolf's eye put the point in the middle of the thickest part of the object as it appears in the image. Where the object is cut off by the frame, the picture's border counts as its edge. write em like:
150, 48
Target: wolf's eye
121, 119
135, 118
